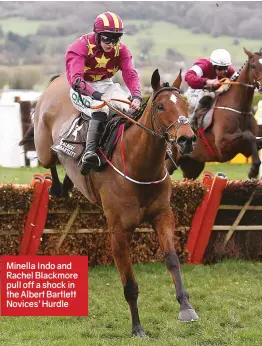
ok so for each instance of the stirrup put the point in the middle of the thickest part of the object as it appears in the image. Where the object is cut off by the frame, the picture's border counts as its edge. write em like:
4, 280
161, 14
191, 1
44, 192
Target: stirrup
91, 157
88, 161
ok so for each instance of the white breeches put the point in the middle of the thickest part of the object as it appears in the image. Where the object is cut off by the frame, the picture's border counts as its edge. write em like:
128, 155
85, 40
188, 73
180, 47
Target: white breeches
194, 95
107, 87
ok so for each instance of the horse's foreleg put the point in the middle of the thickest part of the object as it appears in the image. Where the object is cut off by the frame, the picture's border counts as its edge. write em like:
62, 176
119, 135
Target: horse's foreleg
164, 225
191, 168
119, 244
57, 189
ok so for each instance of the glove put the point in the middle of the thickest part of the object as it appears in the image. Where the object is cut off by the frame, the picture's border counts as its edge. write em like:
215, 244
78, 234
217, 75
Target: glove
79, 85
136, 102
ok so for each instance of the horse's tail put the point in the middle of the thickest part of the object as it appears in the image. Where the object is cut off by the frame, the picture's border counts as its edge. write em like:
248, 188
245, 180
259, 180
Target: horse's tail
28, 137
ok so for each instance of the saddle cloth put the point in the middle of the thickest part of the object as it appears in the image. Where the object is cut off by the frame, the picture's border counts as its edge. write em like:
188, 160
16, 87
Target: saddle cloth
72, 141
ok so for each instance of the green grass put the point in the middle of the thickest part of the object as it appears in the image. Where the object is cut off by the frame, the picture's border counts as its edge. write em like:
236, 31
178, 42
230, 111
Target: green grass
23, 26
24, 175
227, 297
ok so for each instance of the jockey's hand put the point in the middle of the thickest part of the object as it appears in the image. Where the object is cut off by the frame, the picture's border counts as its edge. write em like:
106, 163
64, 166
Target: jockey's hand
136, 103
79, 85
105, 98
211, 82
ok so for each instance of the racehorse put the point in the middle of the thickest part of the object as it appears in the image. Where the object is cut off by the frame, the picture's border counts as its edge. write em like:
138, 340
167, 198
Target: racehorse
233, 129
143, 192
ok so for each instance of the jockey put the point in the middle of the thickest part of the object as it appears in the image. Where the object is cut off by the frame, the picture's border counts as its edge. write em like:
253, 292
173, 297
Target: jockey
203, 78
91, 62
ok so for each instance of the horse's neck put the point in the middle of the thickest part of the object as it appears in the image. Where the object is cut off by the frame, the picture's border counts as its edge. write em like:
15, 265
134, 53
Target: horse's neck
243, 95
145, 152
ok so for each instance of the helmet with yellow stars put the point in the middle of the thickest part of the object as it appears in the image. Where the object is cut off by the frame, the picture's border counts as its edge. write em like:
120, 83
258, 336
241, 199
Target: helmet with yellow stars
108, 22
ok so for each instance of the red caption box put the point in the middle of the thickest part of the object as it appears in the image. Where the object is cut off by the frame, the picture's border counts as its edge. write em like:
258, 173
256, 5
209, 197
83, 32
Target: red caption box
44, 286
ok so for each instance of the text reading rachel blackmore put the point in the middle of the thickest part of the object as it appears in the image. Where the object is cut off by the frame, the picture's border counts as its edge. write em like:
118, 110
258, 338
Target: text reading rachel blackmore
44, 286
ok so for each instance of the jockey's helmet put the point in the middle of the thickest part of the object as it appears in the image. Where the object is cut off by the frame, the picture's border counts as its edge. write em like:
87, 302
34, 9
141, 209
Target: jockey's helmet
108, 22
220, 57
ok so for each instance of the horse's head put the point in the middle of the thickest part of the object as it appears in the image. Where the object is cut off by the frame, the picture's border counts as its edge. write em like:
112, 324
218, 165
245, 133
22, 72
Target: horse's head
255, 65
169, 114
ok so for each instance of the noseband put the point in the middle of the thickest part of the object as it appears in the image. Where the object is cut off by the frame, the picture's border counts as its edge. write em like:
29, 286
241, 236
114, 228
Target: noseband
182, 120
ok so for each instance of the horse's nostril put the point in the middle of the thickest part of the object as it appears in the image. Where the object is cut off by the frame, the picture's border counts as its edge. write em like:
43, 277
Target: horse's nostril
185, 141
182, 140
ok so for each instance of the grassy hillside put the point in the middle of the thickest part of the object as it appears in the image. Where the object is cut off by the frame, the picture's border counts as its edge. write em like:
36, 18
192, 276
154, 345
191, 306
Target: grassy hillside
191, 45
163, 34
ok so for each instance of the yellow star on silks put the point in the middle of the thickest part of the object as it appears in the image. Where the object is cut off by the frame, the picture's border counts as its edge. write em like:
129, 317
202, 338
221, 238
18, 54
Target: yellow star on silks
102, 61
114, 70
96, 77
90, 47
117, 49
86, 68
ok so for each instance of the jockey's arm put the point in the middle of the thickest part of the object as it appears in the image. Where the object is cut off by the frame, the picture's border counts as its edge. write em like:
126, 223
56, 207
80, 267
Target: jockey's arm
130, 75
194, 77
75, 62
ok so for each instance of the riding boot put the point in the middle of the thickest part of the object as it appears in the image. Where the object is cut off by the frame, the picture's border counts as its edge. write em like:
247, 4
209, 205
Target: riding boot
204, 102
90, 158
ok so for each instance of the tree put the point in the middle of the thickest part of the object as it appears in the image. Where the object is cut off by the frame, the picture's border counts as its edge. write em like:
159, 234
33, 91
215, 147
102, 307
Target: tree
145, 46
4, 76
25, 77
1, 32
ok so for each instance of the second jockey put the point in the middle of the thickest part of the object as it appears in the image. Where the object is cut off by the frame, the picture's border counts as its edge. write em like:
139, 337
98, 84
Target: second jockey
91, 62
203, 78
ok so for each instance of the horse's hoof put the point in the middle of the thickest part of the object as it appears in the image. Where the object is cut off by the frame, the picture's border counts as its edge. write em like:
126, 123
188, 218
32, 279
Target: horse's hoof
138, 332
253, 173
188, 315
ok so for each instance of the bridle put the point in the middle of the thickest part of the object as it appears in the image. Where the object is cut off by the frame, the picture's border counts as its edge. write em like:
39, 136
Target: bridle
182, 120
256, 84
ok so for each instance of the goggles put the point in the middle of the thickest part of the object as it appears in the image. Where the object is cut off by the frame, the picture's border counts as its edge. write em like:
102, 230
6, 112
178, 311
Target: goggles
221, 68
110, 39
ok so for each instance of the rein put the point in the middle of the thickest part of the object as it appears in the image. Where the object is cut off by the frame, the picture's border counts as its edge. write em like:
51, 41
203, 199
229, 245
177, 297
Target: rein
182, 120
221, 82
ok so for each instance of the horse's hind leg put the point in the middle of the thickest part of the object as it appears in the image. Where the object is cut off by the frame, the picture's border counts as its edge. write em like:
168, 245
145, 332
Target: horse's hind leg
119, 244
164, 225
251, 140
43, 142
191, 168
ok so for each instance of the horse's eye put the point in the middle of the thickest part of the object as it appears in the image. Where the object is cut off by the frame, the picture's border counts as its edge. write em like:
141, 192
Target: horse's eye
160, 107
252, 66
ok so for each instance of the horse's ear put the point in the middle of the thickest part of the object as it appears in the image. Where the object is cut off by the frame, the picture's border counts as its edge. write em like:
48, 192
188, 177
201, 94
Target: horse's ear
155, 80
178, 80
248, 53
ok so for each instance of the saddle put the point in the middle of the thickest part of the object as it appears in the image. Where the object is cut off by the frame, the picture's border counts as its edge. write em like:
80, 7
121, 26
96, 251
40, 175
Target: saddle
204, 112
72, 142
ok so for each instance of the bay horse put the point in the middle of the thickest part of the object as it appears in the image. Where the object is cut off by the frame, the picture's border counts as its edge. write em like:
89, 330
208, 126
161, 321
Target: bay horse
234, 128
125, 203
